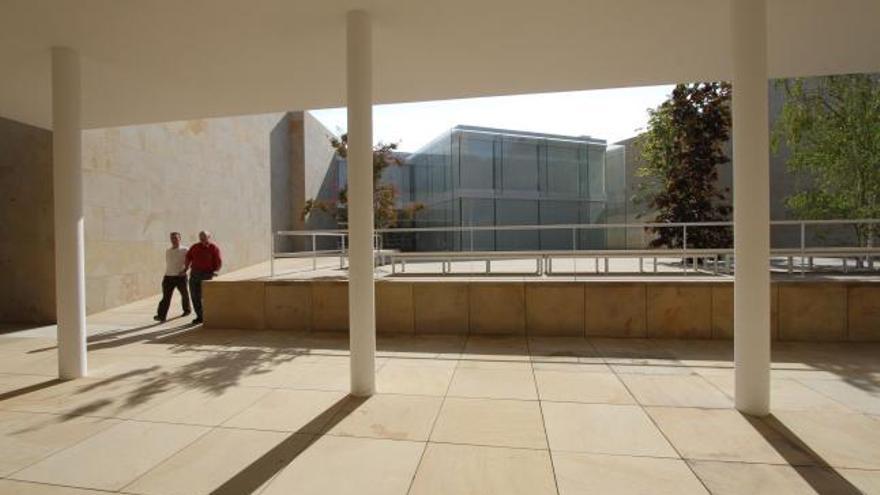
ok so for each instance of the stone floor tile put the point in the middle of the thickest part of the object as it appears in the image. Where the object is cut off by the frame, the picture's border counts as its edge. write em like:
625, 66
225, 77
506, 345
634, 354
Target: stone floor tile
866, 481
603, 429
396, 417
561, 349
303, 411
734, 478
133, 367
633, 351
421, 346
26, 438
28, 364
12, 385
579, 367
448, 469
494, 422
714, 434
109, 397
493, 383
841, 440
12, 343
652, 369
400, 376
579, 473
494, 365
504, 348
675, 390
349, 465
219, 459
201, 407
564, 386
114, 457
856, 394
11, 487
302, 376
785, 394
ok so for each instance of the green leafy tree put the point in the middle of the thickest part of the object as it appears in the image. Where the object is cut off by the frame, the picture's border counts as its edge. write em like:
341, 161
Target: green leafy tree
831, 126
680, 154
384, 194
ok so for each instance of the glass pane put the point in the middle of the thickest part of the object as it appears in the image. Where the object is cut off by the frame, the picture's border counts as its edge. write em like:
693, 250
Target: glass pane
478, 212
562, 170
477, 161
596, 166
519, 165
517, 212
592, 213
558, 212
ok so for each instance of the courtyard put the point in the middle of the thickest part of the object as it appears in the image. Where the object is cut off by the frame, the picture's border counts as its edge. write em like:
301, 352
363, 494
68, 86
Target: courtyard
178, 409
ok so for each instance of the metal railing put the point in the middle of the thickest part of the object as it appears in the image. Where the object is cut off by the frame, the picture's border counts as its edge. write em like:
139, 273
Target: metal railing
685, 252
312, 236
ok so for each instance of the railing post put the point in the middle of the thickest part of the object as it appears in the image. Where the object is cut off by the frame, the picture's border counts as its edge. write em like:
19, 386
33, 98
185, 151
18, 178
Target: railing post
314, 255
271, 254
684, 248
342, 252
803, 248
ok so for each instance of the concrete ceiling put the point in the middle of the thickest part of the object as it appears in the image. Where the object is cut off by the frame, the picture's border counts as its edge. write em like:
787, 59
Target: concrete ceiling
161, 60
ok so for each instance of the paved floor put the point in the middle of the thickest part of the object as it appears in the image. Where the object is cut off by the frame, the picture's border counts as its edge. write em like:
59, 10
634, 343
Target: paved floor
175, 409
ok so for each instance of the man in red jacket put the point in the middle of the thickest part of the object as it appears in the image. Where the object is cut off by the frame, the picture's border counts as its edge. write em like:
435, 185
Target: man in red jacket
204, 260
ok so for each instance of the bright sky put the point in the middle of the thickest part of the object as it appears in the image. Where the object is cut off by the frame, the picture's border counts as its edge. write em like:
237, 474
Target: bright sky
611, 114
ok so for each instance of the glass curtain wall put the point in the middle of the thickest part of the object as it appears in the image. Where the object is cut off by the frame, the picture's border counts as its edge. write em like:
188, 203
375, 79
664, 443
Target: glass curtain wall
474, 176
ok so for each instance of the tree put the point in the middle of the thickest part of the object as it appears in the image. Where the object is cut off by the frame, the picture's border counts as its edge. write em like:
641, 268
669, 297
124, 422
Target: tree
831, 126
384, 194
680, 153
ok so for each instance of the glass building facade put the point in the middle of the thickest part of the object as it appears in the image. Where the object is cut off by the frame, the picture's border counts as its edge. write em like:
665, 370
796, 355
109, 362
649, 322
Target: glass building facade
473, 176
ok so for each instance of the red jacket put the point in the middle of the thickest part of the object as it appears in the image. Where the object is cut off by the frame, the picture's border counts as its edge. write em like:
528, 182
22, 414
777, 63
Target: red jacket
203, 258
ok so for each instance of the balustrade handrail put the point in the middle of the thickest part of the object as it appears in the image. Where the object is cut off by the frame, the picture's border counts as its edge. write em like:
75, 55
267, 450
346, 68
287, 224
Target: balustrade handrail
342, 234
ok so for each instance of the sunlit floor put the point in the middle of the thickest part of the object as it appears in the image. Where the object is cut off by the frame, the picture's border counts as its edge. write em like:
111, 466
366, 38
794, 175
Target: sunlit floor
174, 409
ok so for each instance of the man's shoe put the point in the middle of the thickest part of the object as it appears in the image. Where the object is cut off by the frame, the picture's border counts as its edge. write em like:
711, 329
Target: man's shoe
197, 321
159, 319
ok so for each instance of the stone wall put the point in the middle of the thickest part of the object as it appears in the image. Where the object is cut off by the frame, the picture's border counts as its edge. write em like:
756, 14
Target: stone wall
27, 258
801, 310
142, 182
311, 175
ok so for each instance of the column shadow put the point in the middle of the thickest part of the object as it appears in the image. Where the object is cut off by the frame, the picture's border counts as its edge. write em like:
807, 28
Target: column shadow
263, 469
30, 388
811, 467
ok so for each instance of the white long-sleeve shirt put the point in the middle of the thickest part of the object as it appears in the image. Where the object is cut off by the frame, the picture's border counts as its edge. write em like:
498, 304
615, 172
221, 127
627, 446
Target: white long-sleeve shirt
175, 261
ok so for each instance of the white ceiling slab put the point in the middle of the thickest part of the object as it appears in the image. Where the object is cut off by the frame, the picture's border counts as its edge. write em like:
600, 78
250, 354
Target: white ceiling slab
160, 60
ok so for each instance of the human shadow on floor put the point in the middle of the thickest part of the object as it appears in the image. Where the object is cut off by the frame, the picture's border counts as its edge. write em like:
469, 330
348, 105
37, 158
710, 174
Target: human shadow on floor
114, 336
263, 469
811, 467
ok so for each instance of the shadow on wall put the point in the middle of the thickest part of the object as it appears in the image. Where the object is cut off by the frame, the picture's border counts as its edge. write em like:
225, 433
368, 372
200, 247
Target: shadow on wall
281, 200
303, 166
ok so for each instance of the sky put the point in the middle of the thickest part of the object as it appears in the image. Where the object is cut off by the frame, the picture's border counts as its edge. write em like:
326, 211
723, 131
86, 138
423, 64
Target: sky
610, 114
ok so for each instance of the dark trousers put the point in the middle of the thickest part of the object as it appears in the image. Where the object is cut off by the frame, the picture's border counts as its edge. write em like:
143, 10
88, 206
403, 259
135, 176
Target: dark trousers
169, 283
195, 288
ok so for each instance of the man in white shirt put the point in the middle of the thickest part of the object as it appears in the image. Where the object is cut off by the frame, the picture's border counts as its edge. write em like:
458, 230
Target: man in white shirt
175, 277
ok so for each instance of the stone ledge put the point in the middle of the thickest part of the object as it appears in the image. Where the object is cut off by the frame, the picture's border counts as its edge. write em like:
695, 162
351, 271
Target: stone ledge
801, 310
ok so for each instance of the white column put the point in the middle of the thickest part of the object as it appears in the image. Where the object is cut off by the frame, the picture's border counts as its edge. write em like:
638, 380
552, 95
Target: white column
751, 206
70, 290
361, 301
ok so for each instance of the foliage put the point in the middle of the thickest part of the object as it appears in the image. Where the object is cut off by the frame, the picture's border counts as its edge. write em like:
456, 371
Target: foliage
384, 194
680, 154
831, 127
